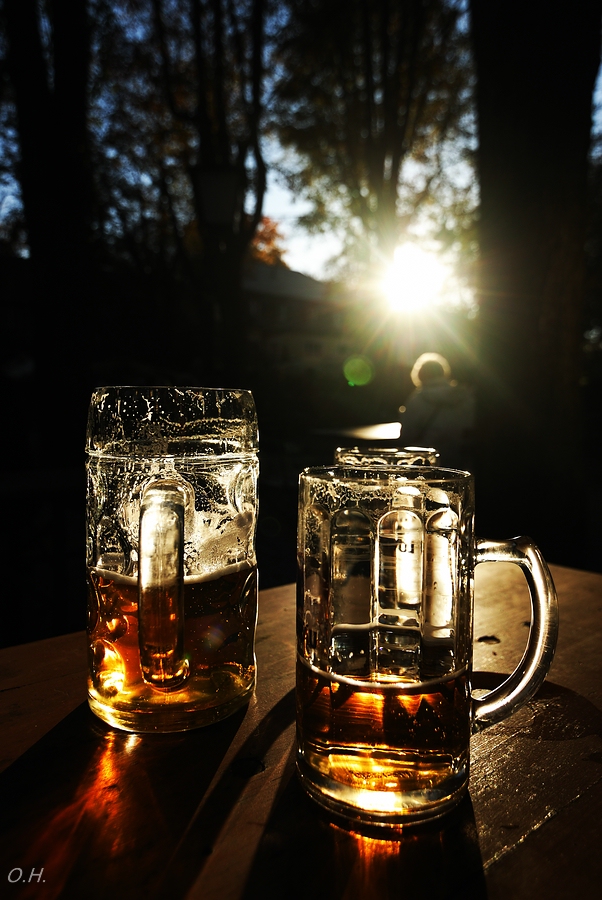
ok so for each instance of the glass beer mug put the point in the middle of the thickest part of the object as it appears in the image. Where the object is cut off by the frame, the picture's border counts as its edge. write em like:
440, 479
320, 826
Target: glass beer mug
384, 639
171, 565
385, 456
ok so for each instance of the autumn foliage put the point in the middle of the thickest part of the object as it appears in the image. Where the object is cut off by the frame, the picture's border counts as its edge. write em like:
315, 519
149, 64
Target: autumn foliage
267, 244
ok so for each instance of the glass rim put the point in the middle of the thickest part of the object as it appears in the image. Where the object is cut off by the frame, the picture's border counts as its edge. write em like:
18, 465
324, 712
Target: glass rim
410, 474
184, 388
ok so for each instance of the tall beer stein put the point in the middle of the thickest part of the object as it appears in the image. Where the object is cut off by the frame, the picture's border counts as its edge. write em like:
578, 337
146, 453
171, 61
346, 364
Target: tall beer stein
385, 456
384, 639
171, 565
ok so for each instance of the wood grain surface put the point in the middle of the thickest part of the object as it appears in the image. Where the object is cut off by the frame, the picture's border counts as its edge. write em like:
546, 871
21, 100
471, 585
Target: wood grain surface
218, 812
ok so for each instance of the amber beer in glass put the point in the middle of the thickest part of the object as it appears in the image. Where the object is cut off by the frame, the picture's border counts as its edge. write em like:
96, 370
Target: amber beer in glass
171, 565
384, 639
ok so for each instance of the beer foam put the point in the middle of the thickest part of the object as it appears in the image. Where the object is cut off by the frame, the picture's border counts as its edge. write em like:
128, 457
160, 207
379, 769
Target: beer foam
376, 682
213, 575
117, 577
218, 573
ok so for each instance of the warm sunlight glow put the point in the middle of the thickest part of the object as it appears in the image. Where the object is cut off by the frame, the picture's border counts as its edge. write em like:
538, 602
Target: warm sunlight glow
415, 280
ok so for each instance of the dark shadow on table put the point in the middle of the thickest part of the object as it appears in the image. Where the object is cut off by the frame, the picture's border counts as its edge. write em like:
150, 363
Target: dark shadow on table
101, 811
107, 813
204, 829
313, 857
302, 854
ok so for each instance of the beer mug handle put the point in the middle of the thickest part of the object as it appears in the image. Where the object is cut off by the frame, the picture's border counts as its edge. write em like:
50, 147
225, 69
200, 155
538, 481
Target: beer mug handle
161, 584
531, 671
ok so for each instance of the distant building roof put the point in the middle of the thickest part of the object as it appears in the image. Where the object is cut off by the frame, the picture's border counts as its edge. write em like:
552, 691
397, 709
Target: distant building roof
260, 278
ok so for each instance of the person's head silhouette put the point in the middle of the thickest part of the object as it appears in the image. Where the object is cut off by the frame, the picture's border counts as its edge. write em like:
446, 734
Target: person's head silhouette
430, 367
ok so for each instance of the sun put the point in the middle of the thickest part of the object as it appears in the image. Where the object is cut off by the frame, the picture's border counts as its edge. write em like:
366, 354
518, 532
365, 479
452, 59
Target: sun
415, 280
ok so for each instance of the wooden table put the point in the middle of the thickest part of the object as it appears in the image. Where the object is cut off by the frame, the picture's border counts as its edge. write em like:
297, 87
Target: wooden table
218, 813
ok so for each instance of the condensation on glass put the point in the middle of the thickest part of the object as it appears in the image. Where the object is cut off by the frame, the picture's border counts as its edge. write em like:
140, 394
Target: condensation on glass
171, 563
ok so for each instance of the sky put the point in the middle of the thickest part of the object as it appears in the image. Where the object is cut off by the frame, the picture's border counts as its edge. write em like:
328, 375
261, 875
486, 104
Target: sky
304, 253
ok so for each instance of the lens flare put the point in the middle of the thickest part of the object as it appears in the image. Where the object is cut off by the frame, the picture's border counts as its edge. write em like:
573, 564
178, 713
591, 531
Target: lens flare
358, 370
416, 279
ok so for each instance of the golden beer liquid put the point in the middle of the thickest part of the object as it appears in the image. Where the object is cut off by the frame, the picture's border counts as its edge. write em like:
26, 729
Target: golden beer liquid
220, 611
382, 749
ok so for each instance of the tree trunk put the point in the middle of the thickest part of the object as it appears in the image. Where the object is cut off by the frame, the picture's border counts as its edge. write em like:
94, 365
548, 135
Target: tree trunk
51, 97
536, 67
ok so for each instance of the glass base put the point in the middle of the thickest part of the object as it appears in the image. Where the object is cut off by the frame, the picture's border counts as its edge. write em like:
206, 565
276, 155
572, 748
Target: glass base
162, 720
386, 809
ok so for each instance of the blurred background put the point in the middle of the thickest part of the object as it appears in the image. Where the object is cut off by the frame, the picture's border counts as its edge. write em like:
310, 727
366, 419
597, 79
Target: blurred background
300, 197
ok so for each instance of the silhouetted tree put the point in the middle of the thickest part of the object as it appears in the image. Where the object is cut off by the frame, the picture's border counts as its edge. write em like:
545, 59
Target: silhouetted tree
47, 58
593, 247
536, 67
363, 90
181, 171
47, 61
166, 98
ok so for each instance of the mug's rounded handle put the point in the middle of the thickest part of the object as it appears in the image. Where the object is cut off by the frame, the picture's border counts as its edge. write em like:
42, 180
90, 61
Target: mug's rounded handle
543, 633
161, 584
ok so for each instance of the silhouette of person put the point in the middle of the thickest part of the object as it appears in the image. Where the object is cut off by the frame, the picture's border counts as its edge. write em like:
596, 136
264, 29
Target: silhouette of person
439, 413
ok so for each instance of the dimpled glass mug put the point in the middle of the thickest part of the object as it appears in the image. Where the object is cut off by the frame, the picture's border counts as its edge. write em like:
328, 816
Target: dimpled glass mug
384, 639
171, 566
385, 456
